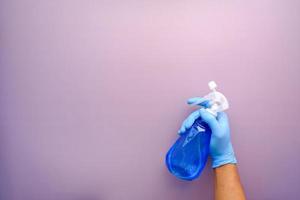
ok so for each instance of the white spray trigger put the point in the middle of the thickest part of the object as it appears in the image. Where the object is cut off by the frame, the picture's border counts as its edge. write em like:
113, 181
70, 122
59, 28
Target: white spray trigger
217, 99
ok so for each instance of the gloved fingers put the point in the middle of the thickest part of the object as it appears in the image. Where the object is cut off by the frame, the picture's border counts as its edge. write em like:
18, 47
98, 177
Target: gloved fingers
210, 120
199, 101
189, 121
182, 128
223, 120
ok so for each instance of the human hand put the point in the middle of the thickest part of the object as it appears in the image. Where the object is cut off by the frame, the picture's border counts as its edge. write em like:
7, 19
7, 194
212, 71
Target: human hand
221, 150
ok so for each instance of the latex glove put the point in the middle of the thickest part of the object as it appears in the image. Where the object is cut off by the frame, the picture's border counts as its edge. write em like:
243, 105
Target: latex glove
221, 150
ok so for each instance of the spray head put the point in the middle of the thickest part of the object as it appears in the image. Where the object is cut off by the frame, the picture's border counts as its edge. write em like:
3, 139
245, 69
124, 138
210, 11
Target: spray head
217, 100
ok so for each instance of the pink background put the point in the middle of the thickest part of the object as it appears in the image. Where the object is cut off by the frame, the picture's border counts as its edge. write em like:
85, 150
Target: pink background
92, 94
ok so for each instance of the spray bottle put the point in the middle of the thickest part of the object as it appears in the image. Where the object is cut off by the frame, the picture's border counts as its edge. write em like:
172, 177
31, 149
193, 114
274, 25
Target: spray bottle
188, 156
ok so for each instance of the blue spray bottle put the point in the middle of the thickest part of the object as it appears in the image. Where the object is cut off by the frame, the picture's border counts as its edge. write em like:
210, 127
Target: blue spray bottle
188, 155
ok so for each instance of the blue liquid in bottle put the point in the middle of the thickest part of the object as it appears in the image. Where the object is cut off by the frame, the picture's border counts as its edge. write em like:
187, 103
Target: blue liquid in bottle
187, 157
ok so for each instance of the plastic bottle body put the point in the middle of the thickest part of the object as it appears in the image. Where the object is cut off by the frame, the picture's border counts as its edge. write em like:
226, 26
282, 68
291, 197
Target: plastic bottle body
188, 156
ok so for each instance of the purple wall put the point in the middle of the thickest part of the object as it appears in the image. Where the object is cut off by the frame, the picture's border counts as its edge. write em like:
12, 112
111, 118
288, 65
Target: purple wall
92, 94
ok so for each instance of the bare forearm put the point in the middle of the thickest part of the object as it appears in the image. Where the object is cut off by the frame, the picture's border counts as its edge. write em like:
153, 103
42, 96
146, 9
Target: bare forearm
227, 183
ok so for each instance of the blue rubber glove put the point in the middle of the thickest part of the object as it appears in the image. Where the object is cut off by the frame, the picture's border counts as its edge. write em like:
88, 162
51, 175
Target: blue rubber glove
221, 150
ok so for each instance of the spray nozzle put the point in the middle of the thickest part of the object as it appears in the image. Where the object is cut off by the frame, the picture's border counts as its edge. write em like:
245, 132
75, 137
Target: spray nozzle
217, 100
212, 85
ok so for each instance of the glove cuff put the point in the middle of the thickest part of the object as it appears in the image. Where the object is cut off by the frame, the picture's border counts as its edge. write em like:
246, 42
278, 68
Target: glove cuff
224, 159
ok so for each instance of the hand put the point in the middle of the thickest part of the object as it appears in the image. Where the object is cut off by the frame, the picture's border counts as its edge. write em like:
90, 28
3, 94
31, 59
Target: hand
221, 150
